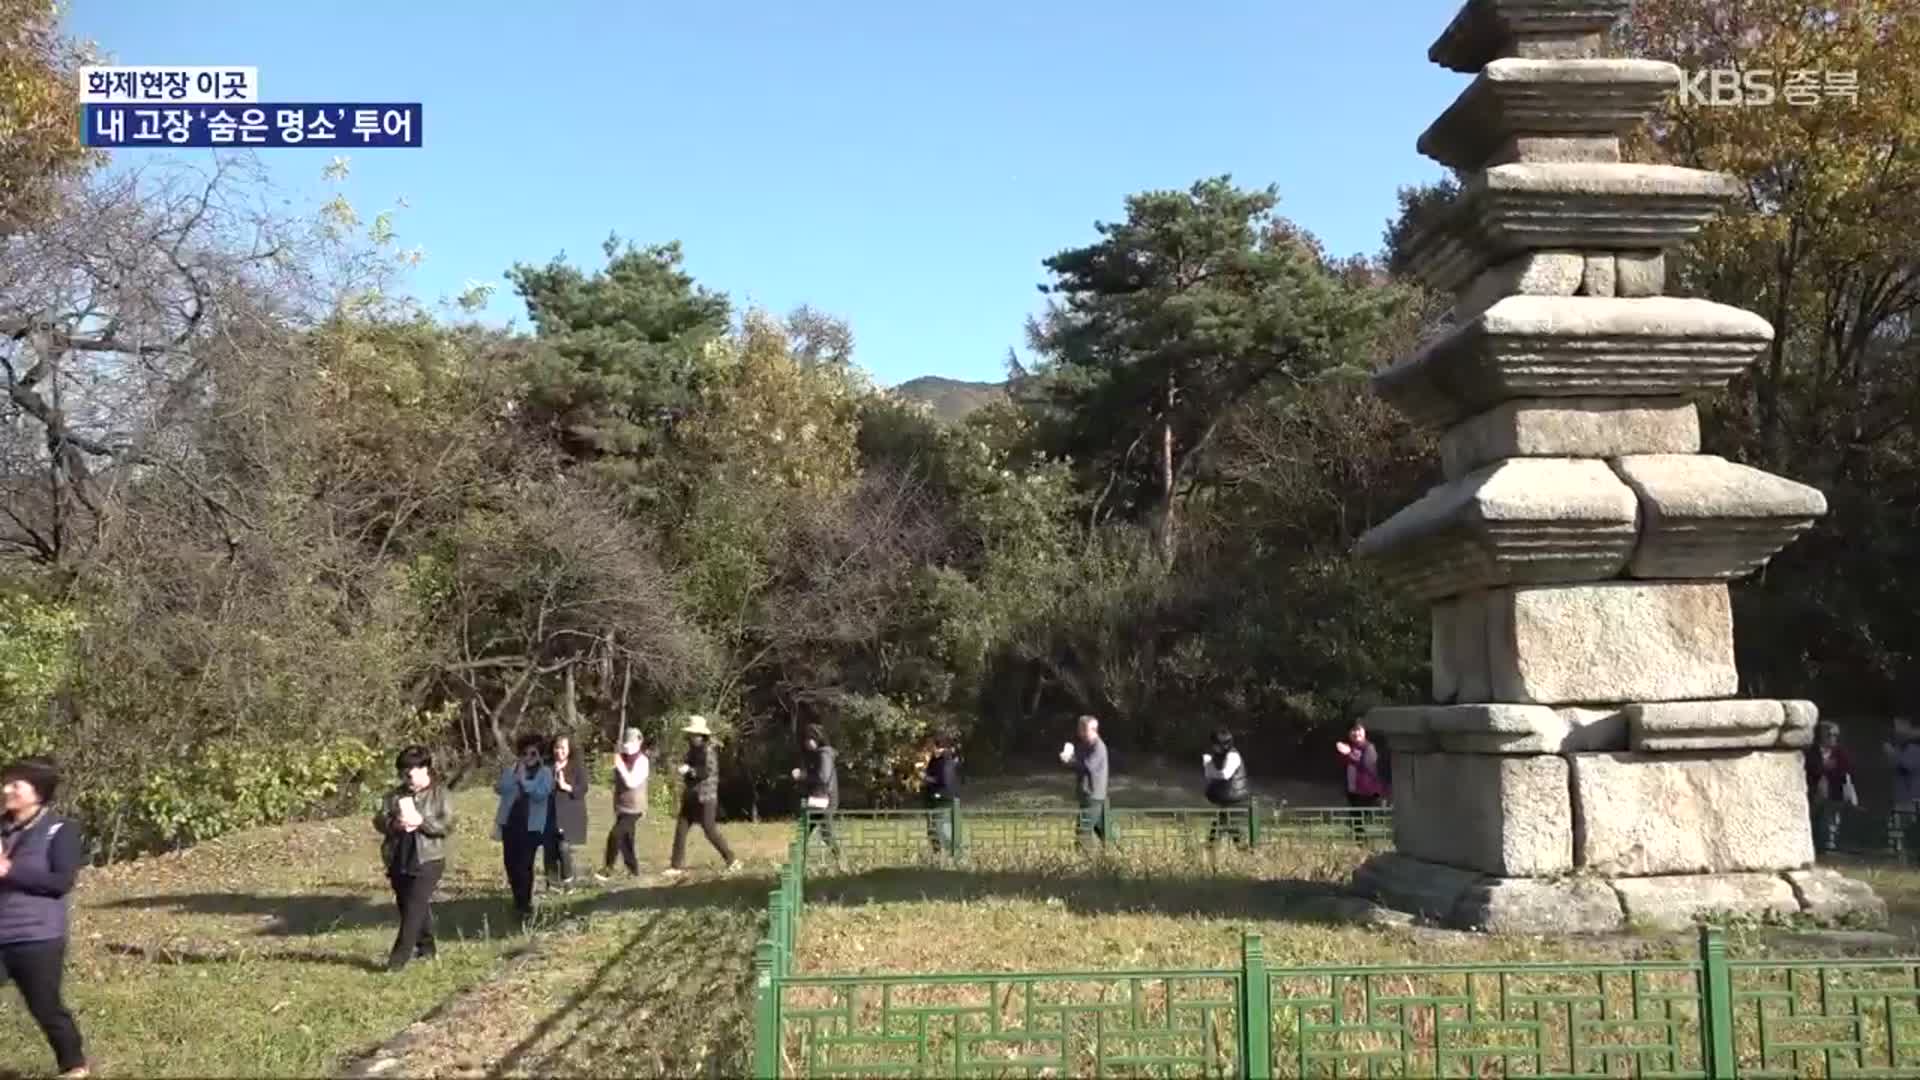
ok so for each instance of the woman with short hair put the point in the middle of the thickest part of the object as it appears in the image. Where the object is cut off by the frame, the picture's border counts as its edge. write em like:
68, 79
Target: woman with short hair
1226, 776
40, 856
414, 820
520, 822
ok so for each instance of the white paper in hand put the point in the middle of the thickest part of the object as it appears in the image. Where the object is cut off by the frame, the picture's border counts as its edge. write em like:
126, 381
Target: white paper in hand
408, 813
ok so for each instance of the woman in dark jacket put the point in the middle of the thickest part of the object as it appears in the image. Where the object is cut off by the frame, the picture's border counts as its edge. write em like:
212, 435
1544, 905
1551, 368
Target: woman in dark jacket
939, 787
567, 823
40, 855
1226, 775
821, 779
415, 818
700, 802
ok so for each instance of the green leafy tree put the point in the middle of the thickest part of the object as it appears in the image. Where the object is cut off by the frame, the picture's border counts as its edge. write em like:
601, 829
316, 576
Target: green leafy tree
625, 350
1179, 312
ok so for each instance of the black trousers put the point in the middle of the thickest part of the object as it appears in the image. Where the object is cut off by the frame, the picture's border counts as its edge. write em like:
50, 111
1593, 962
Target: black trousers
557, 849
1230, 822
691, 811
518, 848
36, 968
414, 895
620, 842
1360, 802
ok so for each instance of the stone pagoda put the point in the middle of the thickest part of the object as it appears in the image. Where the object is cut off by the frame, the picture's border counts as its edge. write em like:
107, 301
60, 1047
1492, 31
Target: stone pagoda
1586, 765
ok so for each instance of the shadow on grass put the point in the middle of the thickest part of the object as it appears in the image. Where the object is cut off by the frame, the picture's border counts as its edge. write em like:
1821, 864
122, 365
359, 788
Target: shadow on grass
1198, 896
318, 914
673, 998
278, 956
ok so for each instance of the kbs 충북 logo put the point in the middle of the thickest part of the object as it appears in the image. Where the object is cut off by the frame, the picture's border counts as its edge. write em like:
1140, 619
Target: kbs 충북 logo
1735, 88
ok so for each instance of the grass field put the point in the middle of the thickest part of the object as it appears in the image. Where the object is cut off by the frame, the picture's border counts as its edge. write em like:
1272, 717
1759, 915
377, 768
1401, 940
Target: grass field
258, 954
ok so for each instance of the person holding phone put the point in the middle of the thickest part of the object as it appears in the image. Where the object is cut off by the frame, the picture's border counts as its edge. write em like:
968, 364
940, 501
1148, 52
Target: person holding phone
631, 767
1087, 757
520, 822
415, 819
820, 779
699, 799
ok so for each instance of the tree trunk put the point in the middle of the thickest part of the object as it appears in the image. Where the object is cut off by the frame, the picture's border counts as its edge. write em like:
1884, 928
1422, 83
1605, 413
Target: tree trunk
1167, 527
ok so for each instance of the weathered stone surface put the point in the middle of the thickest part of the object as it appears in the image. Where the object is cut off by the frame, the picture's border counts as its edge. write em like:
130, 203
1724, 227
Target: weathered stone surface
1598, 279
1801, 718
1706, 517
1505, 729
1606, 642
1411, 885
1514, 97
1678, 726
1572, 905
1639, 273
1574, 347
1534, 273
1571, 427
1836, 899
1485, 30
1509, 816
1525, 148
1574, 205
1717, 812
1676, 902
1523, 520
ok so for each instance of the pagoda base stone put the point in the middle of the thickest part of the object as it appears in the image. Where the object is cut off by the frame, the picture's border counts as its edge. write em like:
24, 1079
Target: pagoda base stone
1490, 813
1582, 904
1707, 812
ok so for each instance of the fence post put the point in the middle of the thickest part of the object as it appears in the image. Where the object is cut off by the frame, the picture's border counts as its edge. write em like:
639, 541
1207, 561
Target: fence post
1253, 822
766, 1012
1716, 993
1256, 1014
953, 831
801, 837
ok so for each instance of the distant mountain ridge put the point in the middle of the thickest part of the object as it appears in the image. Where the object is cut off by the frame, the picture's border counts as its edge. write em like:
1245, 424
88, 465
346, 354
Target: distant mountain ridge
951, 399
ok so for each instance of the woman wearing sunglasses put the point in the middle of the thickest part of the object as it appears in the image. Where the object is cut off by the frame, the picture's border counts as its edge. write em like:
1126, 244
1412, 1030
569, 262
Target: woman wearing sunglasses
526, 789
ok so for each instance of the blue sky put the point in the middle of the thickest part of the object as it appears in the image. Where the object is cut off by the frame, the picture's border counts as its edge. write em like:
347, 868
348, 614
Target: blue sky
905, 166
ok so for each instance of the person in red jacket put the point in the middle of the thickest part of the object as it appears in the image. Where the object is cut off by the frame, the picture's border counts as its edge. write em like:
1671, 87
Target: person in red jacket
1365, 787
1830, 788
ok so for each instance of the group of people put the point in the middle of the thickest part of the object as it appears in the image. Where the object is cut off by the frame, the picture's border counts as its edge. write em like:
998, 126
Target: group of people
1832, 794
542, 810
542, 813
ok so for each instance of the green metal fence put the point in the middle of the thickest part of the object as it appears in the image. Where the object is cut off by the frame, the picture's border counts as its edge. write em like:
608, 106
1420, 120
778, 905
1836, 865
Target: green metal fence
867, 838
1707, 1017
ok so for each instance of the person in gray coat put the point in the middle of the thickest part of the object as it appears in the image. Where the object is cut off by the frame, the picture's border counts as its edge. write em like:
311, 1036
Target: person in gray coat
1087, 757
820, 776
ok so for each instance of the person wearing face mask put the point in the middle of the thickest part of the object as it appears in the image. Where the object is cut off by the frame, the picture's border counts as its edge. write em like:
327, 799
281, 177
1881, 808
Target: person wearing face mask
40, 856
415, 819
520, 822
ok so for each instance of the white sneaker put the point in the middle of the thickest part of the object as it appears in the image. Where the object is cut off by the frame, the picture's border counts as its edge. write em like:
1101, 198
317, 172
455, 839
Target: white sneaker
673, 872
734, 866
